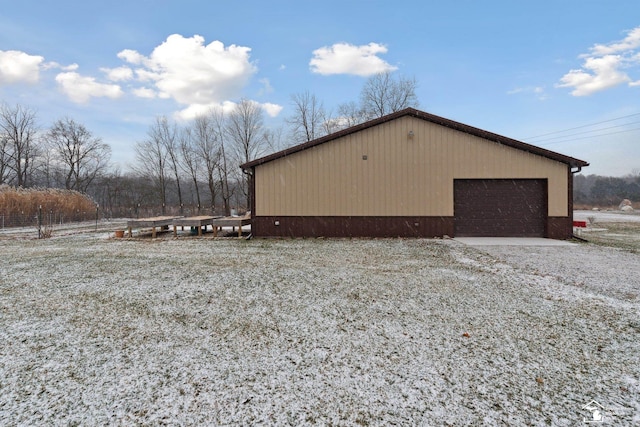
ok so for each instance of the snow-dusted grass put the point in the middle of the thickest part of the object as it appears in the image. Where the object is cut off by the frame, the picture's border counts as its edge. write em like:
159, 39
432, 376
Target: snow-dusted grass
195, 331
608, 216
615, 229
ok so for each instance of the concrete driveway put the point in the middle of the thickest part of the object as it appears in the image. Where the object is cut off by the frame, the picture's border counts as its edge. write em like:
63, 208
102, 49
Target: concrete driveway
512, 241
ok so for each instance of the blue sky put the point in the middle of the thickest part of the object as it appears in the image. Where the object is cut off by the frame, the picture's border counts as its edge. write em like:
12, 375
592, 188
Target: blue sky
520, 69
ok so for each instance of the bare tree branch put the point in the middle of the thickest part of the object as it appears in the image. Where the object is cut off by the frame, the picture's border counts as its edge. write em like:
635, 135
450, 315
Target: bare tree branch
80, 155
382, 95
246, 130
307, 119
151, 154
18, 146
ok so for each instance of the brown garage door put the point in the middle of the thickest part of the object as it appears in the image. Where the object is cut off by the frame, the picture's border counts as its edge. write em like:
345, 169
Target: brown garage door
500, 207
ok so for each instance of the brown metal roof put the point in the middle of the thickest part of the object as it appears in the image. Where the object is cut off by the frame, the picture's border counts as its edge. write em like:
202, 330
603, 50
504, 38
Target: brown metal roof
412, 112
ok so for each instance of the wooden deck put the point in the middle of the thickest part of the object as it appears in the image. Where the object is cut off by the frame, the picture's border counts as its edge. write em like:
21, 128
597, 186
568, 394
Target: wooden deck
230, 221
153, 222
193, 221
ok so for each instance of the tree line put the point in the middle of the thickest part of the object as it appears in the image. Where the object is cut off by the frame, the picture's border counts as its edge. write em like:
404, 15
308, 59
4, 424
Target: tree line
67, 155
185, 168
199, 162
606, 191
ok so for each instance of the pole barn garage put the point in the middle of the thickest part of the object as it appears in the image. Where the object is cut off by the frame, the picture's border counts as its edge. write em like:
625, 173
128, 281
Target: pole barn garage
412, 174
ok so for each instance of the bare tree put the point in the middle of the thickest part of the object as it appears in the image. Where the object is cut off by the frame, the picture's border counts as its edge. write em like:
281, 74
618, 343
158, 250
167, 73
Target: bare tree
219, 123
5, 159
207, 148
18, 132
273, 139
108, 190
165, 132
246, 130
308, 117
350, 114
330, 124
191, 160
382, 95
80, 155
47, 168
151, 154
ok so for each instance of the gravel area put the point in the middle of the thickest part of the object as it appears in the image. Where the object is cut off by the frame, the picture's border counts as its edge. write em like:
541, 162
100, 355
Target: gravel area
197, 331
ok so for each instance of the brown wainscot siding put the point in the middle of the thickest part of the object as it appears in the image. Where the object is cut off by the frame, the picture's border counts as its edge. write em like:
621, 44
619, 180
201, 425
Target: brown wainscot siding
351, 226
560, 228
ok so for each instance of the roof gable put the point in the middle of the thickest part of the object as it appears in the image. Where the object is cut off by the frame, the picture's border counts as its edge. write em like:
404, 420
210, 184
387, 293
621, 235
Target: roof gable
412, 112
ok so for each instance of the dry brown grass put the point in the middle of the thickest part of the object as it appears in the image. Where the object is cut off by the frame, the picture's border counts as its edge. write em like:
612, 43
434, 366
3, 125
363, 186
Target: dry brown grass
25, 202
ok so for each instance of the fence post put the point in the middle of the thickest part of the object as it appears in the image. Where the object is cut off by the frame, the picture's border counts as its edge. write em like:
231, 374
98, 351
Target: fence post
97, 207
40, 222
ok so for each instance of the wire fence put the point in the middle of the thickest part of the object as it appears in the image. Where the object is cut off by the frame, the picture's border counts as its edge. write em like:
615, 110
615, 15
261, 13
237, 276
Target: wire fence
46, 218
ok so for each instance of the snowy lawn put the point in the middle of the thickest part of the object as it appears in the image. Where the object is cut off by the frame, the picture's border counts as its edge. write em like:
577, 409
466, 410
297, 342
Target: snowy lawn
195, 331
611, 228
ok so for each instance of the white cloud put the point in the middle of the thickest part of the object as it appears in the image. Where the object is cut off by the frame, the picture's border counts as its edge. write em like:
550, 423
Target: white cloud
345, 58
193, 73
145, 92
19, 67
266, 86
145, 75
601, 73
54, 65
272, 110
131, 56
194, 110
537, 91
80, 88
631, 42
197, 75
118, 74
605, 66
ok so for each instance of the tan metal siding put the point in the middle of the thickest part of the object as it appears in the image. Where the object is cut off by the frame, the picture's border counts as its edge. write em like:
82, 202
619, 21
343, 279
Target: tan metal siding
401, 176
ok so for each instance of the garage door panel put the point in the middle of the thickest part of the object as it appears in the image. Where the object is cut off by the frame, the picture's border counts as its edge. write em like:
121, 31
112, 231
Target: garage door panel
500, 207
